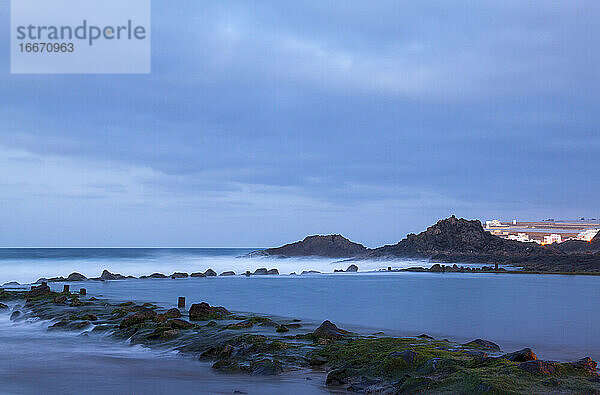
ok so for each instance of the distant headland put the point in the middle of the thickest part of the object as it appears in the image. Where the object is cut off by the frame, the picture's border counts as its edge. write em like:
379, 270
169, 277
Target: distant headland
455, 240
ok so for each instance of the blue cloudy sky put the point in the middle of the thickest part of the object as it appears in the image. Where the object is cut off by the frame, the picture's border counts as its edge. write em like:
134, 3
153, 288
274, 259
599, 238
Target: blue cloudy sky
265, 121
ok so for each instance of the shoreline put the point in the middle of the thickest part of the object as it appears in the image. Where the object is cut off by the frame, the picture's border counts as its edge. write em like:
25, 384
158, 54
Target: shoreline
256, 345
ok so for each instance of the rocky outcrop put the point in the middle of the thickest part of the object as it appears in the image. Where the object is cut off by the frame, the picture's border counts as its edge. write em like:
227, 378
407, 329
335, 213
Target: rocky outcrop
106, 275
76, 277
457, 238
260, 272
483, 344
38, 291
227, 273
273, 272
142, 315
210, 273
198, 274
538, 367
330, 246
179, 275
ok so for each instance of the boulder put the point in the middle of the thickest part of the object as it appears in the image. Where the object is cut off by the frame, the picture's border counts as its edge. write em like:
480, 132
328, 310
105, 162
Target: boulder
260, 271
228, 273
38, 291
173, 313
328, 330
198, 274
179, 275
76, 277
273, 272
485, 344
538, 367
204, 311
106, 275
266, 367
586, 364
142, 315
179, 324
210, 273
3, 306
60, 299
15, 315
523, 355
409, 356
352, 269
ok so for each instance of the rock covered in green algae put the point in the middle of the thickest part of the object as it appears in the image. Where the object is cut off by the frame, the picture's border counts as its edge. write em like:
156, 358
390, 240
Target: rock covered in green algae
142, 315
173, 313
203, 311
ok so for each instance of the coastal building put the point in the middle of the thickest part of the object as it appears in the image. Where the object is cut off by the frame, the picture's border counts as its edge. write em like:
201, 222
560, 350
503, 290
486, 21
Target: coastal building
553, 238
587, 235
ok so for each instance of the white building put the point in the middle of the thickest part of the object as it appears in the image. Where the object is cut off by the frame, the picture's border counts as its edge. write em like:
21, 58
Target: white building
553, 238
587, 235
492, 223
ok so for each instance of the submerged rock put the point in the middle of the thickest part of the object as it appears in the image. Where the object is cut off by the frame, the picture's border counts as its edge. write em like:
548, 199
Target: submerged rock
485, 344
538, 367
523, 355
210, 273
328, 330
203, 311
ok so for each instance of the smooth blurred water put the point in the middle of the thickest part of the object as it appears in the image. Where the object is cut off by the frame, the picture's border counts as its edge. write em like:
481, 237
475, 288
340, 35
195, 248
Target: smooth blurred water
557, 316
29, 264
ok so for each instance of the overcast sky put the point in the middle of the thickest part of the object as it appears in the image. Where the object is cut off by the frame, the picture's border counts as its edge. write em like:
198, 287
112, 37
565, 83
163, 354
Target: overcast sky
262, 123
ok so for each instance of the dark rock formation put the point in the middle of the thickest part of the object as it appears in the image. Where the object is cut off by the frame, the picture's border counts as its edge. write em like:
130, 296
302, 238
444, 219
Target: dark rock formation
228, 273
173, 313
523, 355
538, 367
76, 277
15, 315
273, 272
38, 291
485, 344
204, 311
586, 364
106, 275
328, 330
198, 274
11, 284
3, 306
142, 315
453, 237
266, 367
155, 275
352, 269
179, 275
210, 273
260, 272
331, 246
308, 272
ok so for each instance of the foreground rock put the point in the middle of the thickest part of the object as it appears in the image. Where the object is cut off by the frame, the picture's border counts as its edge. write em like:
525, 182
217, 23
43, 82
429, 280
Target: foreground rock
203, 311
331, 246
